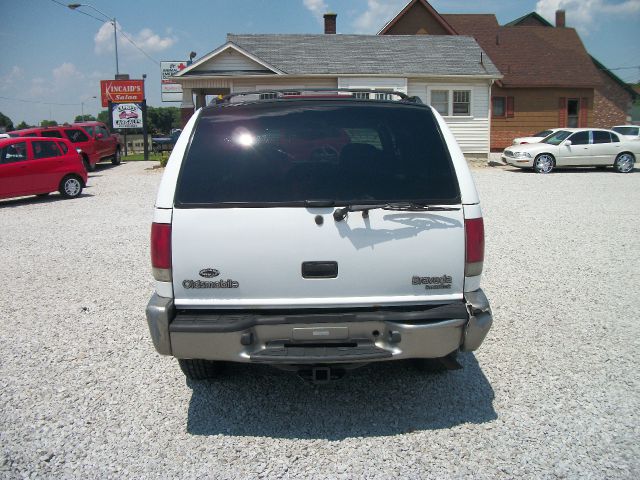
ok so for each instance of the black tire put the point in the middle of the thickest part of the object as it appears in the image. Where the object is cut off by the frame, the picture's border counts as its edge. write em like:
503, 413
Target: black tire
117, 157
71, 186
625, 162
195, 369
87, 164
544, 163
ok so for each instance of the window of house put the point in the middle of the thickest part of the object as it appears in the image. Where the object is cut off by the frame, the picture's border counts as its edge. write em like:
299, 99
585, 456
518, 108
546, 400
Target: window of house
268, 96
440, 101
384, 96
361, 95
462, 103
498, 107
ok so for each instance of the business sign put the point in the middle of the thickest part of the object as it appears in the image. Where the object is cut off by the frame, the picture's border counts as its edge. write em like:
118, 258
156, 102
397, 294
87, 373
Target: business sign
170, 90
121, 91
127, 115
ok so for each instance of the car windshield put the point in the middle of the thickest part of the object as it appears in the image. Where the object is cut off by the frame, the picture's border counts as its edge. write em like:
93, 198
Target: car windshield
557, 137
334, 151
543, 133
627, 130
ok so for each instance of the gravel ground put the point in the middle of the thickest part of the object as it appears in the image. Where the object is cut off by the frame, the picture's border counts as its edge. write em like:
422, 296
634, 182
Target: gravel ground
553, 392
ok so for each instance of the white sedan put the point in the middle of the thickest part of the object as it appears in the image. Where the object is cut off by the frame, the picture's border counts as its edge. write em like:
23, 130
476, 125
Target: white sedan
575, 147
631, 132
535, 138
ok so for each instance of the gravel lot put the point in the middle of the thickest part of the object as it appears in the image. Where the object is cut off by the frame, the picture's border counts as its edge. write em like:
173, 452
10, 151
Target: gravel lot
553, 392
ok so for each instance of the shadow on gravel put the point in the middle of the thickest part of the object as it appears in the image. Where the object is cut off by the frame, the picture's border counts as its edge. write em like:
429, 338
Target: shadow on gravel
376, 400
33, 200
566, 170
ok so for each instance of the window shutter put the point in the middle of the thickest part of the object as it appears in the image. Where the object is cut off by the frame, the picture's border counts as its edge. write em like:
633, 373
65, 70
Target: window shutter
510, 107
562, 112
583, 111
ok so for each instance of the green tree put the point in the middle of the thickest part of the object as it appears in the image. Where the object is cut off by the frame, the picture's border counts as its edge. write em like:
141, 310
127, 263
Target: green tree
163, 119
48, 123
22, 125
5, 122
85, 118
103, 117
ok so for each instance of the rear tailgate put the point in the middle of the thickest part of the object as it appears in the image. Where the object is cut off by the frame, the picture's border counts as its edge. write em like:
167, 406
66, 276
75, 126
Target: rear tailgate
246, 257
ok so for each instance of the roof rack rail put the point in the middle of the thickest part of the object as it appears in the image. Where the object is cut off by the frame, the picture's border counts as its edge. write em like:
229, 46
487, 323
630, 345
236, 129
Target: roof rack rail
276, 94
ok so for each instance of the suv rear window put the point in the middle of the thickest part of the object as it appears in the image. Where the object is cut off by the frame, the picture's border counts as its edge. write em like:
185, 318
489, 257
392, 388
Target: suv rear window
286, 153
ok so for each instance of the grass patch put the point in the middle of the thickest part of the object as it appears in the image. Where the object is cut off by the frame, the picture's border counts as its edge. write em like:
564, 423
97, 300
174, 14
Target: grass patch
135, 157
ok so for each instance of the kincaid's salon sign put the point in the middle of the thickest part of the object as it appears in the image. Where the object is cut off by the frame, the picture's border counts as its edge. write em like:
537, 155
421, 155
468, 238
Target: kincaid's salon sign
127, 115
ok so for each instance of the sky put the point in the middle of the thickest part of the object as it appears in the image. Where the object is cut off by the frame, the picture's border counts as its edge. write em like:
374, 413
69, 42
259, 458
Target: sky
53, 58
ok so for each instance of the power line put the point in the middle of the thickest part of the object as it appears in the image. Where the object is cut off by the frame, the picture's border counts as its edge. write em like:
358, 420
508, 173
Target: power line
38, 101
129, 39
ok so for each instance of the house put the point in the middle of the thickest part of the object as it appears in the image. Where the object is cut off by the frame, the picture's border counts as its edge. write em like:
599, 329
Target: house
452, 72
549, 79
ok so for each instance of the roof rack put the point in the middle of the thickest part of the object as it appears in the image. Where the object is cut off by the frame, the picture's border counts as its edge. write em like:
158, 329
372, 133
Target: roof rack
279, 94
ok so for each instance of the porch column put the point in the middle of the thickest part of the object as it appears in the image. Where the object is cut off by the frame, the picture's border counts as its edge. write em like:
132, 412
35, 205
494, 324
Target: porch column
186, 107
201, 99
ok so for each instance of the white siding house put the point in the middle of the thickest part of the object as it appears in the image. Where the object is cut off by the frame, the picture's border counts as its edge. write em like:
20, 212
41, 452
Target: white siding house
451, 73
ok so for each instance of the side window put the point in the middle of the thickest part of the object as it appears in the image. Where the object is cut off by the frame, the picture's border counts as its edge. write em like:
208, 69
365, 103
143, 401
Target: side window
103, 131
440, 101
90, 130
601, 137
580, 138
44, 149
15, 152
51, 133
76, 135
63, 147
462, 102
615, 138
498, 107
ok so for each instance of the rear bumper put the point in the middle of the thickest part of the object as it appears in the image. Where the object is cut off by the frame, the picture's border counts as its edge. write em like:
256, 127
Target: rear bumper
320, 337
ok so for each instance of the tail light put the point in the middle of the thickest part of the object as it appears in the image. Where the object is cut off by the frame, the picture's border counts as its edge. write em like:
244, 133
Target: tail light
161, 251
474, 244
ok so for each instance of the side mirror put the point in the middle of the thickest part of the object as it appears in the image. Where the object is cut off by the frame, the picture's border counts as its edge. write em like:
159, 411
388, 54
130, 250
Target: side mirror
100, 135
568, 143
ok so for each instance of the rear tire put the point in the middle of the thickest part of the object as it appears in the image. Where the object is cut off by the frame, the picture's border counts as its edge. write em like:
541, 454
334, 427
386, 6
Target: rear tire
87, 165
624, 162
196, 369
71, 186
117, 157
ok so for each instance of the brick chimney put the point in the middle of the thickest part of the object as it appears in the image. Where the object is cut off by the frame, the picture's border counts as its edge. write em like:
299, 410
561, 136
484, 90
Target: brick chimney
330, 22
560, 18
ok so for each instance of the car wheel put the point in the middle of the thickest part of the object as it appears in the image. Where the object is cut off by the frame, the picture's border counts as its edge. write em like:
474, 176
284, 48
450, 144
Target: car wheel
196, 369
70, 186
624, 162
87, 165
117, 158
544, 163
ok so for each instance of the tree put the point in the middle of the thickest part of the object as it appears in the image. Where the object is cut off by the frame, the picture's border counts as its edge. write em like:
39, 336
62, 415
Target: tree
48, 123
85, 118
5, 123
22, 125
163, 119
103, 117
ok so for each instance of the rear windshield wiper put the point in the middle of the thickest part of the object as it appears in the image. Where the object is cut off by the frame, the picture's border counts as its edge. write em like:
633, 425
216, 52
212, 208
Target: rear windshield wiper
340, 213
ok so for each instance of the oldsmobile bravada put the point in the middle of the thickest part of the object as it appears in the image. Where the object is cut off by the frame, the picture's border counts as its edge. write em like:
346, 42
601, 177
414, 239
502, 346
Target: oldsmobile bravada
316, 232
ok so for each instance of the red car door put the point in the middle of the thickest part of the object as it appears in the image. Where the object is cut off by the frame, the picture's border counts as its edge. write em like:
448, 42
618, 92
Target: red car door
104, 142
13, 168
47, 159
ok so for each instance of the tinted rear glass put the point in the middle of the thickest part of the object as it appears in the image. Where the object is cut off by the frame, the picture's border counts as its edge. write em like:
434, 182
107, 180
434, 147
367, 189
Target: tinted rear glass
51, 133
292, 152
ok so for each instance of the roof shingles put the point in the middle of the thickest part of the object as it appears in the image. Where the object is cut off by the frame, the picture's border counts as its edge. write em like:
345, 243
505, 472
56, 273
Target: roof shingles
369, 54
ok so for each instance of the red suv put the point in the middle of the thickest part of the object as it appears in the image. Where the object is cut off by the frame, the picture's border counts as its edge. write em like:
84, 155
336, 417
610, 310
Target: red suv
39, 166
92, 140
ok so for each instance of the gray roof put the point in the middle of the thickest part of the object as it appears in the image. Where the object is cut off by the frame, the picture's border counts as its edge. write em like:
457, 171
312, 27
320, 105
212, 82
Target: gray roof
369, 54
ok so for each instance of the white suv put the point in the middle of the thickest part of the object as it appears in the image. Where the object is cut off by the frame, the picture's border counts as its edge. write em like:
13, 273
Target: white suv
316, 233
